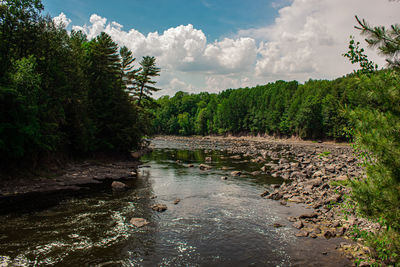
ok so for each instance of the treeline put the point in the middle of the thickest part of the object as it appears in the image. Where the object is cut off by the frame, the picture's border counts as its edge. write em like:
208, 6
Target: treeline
63, 93
312, 110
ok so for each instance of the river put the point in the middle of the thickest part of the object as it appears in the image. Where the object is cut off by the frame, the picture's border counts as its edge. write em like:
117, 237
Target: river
216, 223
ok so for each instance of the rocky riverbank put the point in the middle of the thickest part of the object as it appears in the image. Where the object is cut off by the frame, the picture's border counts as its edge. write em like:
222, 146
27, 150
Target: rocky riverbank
315, 174
31, 191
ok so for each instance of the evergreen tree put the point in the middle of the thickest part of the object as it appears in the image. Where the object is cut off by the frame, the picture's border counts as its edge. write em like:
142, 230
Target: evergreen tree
129, 74
144, 84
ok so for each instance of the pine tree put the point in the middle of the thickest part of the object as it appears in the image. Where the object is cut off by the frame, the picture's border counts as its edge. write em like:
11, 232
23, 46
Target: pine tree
128, 72
144, 88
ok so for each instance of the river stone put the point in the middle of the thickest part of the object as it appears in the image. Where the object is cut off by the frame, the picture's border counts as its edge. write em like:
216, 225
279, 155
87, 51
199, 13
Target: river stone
318, 174
139, 222
118, 186
177, 201
308, 216
341, 178
224, 178
136, 155
159, 207
235, 157
236, 173
299, 224
328, 234
204, 167
302, 233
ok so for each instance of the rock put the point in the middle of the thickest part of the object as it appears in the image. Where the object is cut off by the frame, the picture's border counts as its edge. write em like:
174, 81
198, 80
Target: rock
236, 173
159, 207
189, 165
328, 234
302, 233
118, 186
176, 201
136, 154
277, 225
308, 216
153, 197
283, 203
313, 235
266, 193
139, 222
299, 224
256, 173
291, 219
275, 196
296, 199
341, 178
236, 157
208, 159
204, 167
318, 174
283, 161
264, 168
224, 178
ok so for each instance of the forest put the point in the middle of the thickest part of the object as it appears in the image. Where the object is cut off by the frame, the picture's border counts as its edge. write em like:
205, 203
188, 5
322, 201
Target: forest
62, 94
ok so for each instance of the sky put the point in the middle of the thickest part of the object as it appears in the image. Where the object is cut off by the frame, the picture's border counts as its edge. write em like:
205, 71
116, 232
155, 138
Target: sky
213, 45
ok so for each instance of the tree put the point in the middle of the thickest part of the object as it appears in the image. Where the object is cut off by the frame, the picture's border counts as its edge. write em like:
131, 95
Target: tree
386, 40
144, 83
377, 139
129, 74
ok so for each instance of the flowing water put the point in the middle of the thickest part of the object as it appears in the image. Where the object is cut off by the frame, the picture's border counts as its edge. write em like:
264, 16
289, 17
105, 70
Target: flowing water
216, 223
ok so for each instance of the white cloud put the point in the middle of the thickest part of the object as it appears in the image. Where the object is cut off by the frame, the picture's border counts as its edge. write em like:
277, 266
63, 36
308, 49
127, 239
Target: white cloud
309, 37
306, 40
62, 20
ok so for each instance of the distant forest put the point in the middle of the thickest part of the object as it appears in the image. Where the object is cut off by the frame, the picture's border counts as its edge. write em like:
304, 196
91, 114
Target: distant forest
313, 110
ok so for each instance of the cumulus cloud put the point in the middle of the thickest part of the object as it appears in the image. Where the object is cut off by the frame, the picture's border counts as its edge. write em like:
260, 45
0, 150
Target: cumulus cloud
309, 37
62, 20
306, 40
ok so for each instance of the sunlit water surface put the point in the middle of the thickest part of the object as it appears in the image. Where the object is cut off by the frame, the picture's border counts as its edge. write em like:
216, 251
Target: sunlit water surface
217, 222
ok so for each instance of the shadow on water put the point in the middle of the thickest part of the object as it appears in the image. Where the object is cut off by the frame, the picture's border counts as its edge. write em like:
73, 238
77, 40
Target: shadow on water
216, 223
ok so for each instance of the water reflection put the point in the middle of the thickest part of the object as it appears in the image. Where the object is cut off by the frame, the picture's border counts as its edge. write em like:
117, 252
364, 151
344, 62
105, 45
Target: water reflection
217, 222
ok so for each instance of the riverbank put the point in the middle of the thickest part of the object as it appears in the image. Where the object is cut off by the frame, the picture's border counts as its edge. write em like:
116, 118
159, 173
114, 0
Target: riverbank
25, 191
315, 174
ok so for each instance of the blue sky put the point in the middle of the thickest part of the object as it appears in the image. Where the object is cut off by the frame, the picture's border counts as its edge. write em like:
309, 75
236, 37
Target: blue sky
217, 18
213, 45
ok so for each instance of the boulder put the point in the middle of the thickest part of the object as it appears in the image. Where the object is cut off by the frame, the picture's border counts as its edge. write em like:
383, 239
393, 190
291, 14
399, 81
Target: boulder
118, 186
159, 207
139, 222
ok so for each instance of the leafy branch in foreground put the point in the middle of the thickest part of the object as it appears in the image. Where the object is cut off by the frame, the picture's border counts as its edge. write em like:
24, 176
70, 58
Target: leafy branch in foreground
386, 40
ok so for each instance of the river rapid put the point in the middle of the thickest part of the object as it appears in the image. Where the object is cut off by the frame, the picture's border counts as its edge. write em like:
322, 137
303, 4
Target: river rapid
216, 223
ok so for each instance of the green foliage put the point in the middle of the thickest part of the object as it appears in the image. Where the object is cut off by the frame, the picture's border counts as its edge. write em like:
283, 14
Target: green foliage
386, 40
60, 93
144, 83
375, 129
312, 110
356, 55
